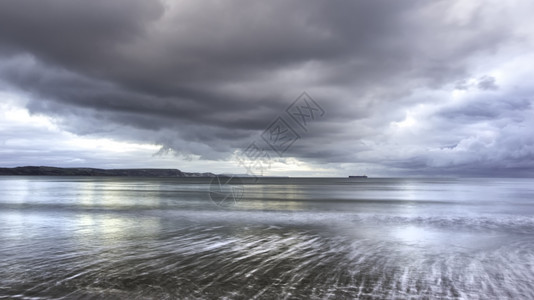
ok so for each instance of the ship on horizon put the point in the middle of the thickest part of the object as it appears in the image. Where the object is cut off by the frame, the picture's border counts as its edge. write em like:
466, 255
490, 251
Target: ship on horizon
357, 176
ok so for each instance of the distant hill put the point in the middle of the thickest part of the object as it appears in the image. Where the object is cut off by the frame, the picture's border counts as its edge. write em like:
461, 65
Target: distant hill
53, 171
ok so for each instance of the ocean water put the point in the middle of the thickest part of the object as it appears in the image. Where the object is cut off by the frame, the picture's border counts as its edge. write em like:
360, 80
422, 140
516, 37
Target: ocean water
278, 238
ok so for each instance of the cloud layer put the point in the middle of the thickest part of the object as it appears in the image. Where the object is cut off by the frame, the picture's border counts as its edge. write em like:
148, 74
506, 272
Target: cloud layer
412, 87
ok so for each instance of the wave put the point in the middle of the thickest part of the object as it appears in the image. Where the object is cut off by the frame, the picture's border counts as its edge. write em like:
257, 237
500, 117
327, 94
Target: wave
264, 262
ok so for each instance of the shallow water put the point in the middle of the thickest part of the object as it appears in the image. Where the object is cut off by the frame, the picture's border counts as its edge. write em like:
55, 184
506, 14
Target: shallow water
90, 237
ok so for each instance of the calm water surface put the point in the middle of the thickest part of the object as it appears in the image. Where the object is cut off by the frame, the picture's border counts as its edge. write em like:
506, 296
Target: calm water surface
321, 238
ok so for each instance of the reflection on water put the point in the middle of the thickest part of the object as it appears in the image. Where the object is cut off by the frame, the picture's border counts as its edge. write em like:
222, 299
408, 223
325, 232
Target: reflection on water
129, 238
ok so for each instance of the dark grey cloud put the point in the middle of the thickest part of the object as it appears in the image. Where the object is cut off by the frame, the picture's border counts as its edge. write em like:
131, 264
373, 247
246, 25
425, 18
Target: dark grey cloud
207, 78
487, 83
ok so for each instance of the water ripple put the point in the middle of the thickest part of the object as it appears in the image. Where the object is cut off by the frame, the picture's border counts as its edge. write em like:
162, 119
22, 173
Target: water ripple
266, 262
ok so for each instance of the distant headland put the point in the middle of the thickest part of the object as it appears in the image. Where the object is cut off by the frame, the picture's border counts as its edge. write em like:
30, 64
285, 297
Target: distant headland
54, 171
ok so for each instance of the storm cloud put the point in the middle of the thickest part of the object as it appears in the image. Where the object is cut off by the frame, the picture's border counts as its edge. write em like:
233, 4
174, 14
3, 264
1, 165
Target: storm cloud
411, 87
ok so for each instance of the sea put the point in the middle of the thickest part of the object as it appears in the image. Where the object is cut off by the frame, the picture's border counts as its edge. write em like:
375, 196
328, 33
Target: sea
266, 238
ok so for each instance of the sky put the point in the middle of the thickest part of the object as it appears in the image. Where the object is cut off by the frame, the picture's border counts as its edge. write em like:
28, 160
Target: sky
281, 87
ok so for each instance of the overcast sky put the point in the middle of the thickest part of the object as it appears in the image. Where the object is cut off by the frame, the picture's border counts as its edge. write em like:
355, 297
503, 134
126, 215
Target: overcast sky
404, 87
